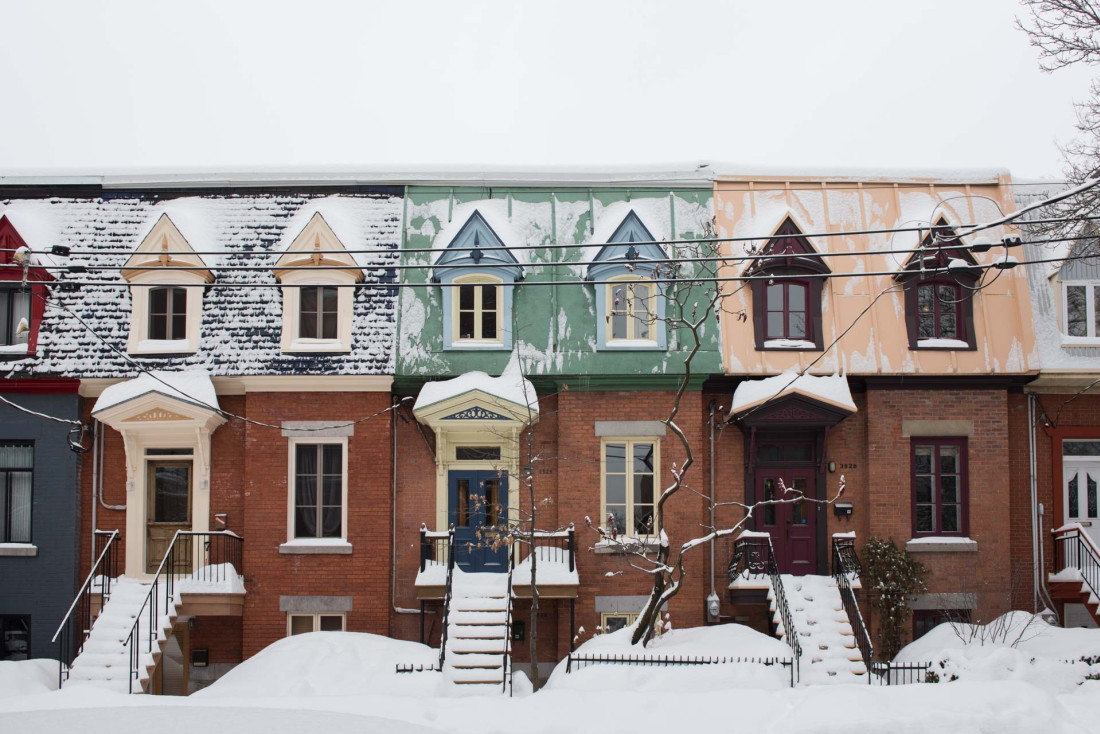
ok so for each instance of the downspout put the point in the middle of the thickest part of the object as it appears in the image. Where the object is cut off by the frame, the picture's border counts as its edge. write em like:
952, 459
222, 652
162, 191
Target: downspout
95, 482
712, 608
99, 494
1033, 479
393, 511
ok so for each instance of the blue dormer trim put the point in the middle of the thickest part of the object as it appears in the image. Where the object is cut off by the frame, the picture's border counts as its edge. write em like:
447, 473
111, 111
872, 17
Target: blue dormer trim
479, 251
629, 251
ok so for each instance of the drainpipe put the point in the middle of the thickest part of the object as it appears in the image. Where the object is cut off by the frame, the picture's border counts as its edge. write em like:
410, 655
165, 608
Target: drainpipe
1033, 480
393, 511
95, 483
99, 494
712, 607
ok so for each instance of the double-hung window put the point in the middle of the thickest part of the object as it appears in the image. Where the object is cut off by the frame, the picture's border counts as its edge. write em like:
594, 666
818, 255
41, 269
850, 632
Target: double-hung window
15, 308
788, 315
168, 313
631, 309
629, 470
16, 495
320, 473
318, 312
939, 315
939, 478
478, 309
1081, 309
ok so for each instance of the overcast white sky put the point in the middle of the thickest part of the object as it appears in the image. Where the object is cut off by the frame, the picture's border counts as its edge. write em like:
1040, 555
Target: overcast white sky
243, 85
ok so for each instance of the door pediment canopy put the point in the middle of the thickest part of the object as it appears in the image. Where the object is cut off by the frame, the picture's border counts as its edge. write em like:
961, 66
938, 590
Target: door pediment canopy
474, 410
805, 401
167, 400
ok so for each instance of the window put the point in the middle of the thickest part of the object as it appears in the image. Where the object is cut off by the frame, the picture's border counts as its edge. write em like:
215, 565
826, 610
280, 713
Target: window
1081, 311
787, 309
938, 313
318, 312
939, 486
15, 637
628, 473
319, 490
15, 308
615, 621
631, 309
168, 313
16, 481
300, 624
787, 314
478, 309
925, 620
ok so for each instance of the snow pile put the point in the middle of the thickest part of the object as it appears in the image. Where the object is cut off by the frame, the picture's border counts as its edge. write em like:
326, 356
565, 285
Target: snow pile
326, 664
552, 569
221, 578
1017, 646
718, 641
832, 389
193, 386
511, 386
26, 677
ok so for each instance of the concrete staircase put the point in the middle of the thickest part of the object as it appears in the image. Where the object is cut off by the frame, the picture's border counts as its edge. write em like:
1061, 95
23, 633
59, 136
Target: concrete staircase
829, 650
105, 658
1069, 587
477, 657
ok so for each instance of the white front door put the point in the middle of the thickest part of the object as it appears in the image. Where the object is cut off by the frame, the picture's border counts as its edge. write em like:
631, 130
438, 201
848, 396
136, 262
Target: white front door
1080, 487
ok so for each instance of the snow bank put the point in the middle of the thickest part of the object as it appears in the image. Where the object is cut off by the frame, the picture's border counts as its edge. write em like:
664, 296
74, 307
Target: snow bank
193, 386
26, 677
726, 640
1016, 646
832, 389
511, 386
324, 664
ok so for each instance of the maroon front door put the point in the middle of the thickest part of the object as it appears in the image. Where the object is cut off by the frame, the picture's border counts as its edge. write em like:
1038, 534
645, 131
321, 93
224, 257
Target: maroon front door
791, 524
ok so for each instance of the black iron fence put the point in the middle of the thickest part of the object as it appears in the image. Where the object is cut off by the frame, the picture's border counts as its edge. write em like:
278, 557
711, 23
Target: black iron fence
754, 555
575, 662
1073, 550
435, 547
898, 674
557, 547
77, 624
195, 557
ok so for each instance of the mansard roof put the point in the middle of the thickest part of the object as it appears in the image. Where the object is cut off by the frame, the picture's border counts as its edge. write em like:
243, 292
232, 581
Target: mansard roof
242, 309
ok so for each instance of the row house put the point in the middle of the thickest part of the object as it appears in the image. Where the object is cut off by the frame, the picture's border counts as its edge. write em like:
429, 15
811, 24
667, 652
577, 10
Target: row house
376, 407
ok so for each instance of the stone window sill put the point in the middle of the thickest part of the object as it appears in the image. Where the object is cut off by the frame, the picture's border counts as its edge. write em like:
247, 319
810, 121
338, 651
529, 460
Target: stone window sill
316, 546
18, 550
941, 544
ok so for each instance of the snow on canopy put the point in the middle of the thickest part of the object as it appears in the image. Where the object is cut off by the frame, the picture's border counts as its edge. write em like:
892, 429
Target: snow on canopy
831, 389
192, 386
511, 386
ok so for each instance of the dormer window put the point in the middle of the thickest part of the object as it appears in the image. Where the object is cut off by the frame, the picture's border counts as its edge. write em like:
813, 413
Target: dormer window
318, 274
165, 319
1081, 306
630, 304
786, 307
477, 272
15, 316
939, 279
22, 304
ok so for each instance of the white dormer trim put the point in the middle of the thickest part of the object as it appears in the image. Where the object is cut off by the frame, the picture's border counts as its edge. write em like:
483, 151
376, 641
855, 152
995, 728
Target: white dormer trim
171, 259
317, 257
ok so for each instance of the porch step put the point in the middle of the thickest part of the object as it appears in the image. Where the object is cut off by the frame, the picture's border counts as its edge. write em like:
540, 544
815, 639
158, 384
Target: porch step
477, 633
824, 634
1075, 591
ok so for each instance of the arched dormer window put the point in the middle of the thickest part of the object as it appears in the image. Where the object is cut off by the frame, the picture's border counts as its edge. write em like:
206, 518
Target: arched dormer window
318, 275
938, 280
477, 272
167, 279
630, 305
787, 309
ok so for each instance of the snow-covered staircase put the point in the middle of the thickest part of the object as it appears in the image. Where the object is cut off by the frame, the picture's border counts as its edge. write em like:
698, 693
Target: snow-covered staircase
477, 654
829, 650
105, 657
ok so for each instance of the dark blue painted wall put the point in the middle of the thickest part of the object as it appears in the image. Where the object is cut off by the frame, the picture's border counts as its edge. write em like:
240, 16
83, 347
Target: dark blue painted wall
43, 586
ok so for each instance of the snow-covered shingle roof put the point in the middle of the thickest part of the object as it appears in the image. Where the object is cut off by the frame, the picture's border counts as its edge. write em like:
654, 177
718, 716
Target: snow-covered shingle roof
241, 325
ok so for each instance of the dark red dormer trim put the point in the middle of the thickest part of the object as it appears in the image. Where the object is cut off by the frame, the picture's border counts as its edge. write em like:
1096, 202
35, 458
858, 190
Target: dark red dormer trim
37, 277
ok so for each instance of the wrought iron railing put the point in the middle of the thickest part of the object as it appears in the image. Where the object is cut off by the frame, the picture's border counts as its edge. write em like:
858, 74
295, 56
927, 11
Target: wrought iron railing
846, 564
1074, 550
506, 664
900, 674
576, 662
434, 548
198, 557
754, 555
77, 624
446, 593
553, 546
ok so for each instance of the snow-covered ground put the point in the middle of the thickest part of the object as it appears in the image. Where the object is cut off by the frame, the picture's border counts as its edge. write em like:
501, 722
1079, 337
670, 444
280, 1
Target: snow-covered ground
343, 682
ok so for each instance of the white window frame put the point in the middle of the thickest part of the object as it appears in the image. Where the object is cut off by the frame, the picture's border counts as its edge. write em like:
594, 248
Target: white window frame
316, 620
605, 617
630, 441
292, 445
1093, 334
632, 320
477, 279
139, 341
292, 310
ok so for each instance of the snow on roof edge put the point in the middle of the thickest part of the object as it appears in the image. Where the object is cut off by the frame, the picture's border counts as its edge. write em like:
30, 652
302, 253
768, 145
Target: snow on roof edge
832, 389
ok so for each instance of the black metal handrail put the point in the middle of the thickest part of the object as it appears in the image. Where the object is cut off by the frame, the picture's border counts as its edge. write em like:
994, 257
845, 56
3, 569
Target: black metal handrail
506, 665
1074, 550
846, 563
559, 546
754, 555
217, 549
447, 594
77, 624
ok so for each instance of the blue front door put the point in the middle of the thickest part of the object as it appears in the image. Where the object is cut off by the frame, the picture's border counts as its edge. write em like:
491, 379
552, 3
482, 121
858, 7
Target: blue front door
477, 506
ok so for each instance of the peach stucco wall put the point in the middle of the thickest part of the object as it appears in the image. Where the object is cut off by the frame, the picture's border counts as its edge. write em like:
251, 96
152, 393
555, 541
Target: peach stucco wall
877, 343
